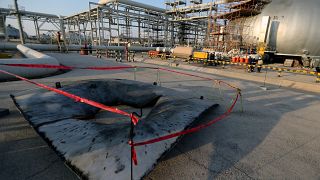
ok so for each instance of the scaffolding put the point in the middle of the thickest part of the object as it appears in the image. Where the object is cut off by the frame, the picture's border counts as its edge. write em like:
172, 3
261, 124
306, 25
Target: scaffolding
40, 20
217, 24
191, 19
230, 25
116, 23
221, 25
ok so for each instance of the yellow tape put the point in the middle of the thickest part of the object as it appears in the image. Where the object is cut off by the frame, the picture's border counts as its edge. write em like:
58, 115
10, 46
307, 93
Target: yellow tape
262, 66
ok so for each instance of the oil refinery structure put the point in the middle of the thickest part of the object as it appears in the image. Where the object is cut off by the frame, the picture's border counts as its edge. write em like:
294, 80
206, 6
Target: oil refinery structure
275, 27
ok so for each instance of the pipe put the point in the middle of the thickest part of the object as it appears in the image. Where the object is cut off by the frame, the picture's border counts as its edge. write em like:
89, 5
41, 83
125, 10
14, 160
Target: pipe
33, 57
201, 7
194, 8
48, 47
9, 11
30, 53
133, 3
8, 46
225, 1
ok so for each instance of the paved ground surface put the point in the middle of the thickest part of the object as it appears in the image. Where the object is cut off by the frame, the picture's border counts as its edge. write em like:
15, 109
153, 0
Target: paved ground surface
270, 73
290, 80
276, 137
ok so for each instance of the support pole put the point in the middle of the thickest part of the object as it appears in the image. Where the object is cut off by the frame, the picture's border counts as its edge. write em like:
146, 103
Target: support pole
118, 26
134, 74
36, 26
158, 77
241, 100
139, 28
19, 21
6, 38
91, 25
126, 52
63, 33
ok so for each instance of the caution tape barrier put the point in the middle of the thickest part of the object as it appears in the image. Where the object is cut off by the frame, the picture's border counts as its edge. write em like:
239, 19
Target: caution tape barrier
75, 97
267, 67
62, 67
134, 118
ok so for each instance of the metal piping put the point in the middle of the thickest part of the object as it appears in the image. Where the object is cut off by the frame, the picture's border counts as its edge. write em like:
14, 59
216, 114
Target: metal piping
30, 53
33, 57
48, 47
133, 3
194, 8
27, 13
225, 1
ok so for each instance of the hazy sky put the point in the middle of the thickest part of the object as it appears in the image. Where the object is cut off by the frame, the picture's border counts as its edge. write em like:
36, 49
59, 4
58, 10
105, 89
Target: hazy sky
63, 7
60, 7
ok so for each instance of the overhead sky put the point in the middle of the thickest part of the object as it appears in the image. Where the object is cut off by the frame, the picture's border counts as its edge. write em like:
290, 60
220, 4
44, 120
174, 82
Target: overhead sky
60, 7
63, 7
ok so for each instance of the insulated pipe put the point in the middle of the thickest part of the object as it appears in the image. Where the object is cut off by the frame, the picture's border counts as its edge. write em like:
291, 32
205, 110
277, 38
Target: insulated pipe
8, 46
225, 1
9, 11
30, 53
133, 3
33, 57
193, 8
201, 7
48, 47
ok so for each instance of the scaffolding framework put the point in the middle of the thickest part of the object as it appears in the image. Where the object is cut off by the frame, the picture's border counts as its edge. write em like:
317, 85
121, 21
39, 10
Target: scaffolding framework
39, 20
229, 25
221, 25
116, 23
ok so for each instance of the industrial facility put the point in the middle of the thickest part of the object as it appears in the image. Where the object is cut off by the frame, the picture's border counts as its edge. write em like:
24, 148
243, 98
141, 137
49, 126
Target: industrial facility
231, 27
191, 89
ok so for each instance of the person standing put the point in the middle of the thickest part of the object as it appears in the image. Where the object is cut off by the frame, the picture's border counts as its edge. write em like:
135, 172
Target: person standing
58, 37
90, 48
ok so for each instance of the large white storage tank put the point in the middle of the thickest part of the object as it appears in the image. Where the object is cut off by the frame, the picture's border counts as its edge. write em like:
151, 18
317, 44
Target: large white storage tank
293, 27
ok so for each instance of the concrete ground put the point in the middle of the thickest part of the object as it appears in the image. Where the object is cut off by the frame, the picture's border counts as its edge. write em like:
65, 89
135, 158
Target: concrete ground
290, 80
300, 77
276, 137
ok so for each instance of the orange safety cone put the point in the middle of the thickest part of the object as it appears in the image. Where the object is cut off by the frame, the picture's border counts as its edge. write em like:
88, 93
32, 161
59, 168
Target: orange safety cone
234, 59
247, 60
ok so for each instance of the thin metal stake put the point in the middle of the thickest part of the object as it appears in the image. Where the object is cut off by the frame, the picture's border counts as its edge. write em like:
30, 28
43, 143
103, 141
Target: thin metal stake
265, 78
134, 74
222, 95
158, 77
241, 101
220, 91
